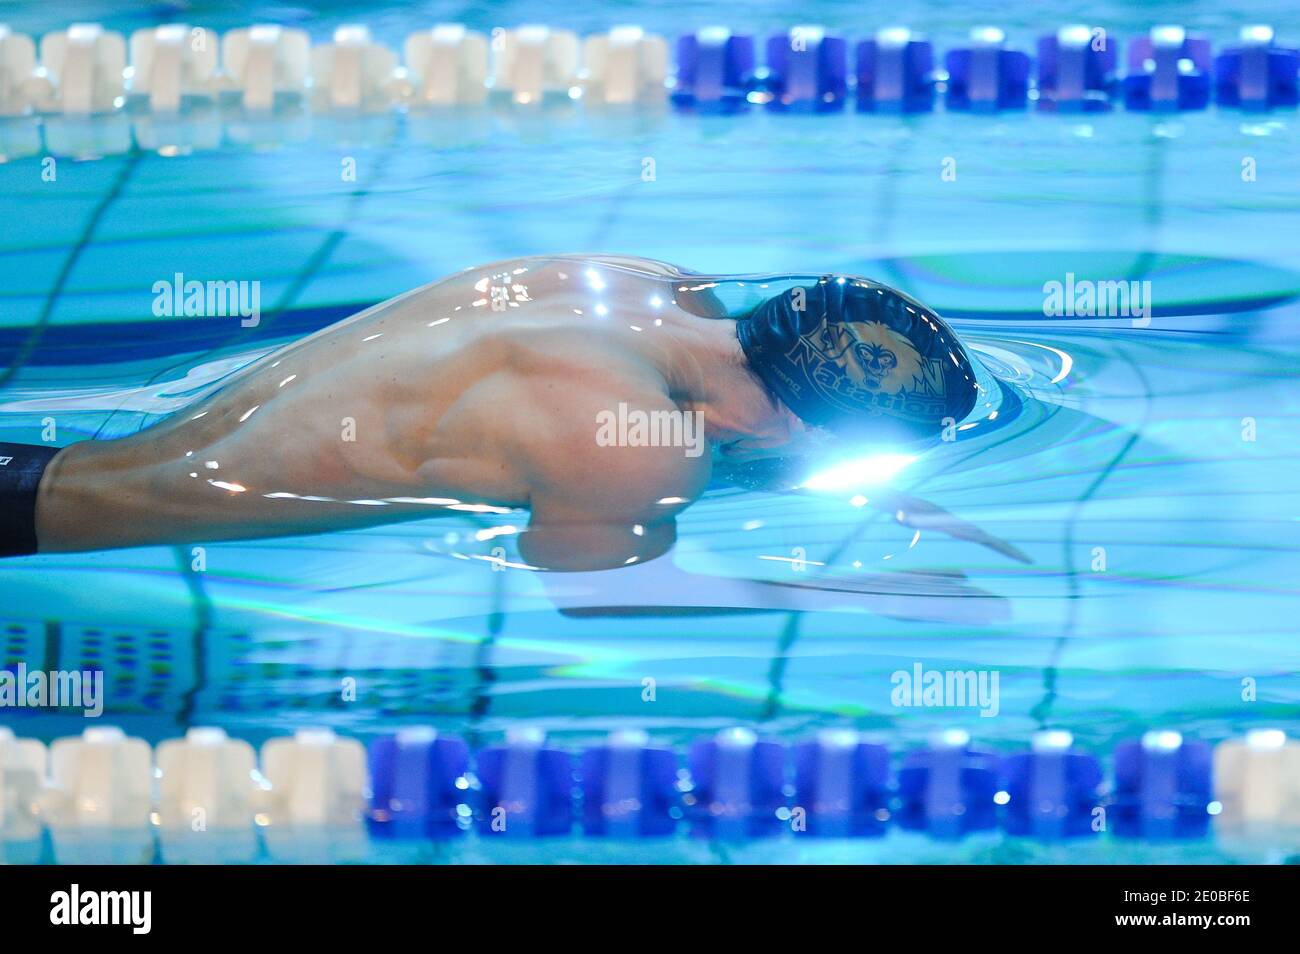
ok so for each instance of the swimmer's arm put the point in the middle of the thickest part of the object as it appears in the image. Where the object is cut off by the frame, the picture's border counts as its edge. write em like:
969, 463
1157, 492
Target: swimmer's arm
559, 538
597, 507
620, 511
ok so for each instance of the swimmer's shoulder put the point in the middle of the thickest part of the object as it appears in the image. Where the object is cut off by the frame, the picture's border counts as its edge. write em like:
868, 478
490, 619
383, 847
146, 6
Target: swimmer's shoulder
629, 455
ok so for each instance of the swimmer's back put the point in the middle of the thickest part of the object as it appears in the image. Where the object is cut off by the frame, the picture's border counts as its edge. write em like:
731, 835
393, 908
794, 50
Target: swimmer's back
438, 394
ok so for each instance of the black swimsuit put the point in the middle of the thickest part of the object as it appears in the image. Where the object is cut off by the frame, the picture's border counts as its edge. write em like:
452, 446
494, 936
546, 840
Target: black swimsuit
21, 468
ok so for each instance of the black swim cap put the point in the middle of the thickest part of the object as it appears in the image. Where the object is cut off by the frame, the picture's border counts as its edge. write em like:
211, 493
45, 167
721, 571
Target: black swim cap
852, 355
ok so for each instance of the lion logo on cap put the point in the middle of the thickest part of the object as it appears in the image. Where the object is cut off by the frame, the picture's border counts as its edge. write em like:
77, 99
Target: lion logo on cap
873, 356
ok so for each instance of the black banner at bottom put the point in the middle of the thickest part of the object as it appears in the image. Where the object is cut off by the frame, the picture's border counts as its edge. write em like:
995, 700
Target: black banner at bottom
367, 903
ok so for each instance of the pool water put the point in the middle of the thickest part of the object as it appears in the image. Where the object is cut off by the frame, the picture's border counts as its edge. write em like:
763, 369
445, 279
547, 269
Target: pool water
1118, 541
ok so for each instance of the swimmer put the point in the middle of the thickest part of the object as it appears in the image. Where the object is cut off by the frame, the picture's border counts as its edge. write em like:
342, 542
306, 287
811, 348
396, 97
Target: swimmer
489, 390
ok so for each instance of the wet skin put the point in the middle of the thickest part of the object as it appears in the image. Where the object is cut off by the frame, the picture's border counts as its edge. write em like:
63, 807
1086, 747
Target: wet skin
483, 389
